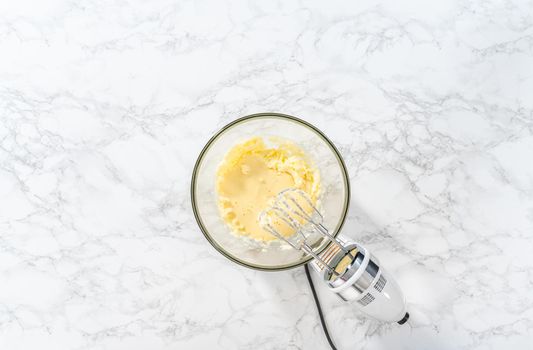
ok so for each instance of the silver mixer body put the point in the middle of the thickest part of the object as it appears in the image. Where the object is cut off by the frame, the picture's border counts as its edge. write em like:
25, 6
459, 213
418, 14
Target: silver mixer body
363, 281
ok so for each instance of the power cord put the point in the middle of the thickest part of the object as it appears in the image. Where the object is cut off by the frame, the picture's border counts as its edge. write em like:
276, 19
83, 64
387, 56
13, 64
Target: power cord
319, 308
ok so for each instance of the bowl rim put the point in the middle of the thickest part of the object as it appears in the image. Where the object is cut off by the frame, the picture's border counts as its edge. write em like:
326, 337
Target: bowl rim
217, 134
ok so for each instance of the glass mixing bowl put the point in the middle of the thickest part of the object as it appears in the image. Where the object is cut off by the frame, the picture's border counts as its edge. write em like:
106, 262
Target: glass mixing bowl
334, 197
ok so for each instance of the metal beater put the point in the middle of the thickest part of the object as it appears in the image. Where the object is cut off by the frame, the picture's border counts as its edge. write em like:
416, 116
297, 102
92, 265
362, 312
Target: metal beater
294, 208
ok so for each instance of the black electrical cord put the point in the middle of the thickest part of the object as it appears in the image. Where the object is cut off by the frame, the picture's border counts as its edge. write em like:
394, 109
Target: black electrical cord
319, 308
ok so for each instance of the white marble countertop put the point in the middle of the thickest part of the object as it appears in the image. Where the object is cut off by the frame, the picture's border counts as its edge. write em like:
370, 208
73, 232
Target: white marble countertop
105, 105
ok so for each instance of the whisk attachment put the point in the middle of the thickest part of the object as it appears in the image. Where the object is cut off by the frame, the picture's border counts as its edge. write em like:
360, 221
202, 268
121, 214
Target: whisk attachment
293, 218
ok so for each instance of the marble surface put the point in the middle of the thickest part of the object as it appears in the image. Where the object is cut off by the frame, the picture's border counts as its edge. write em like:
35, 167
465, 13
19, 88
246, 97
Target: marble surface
105, 105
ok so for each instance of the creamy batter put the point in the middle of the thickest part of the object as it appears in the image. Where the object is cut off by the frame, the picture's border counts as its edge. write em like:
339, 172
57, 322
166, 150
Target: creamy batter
252, 173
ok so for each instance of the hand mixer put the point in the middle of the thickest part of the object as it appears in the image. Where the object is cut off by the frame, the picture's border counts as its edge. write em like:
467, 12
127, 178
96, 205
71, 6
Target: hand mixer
348, 268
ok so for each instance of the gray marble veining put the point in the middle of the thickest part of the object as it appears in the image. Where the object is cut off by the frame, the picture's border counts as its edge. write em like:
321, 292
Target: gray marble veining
104, 106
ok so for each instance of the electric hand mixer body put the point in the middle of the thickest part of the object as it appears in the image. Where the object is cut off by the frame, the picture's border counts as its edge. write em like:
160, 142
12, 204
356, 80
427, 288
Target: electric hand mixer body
347, 268
366, 283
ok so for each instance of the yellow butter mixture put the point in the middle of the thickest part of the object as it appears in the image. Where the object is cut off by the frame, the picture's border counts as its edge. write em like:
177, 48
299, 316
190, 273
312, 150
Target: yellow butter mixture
252, 173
